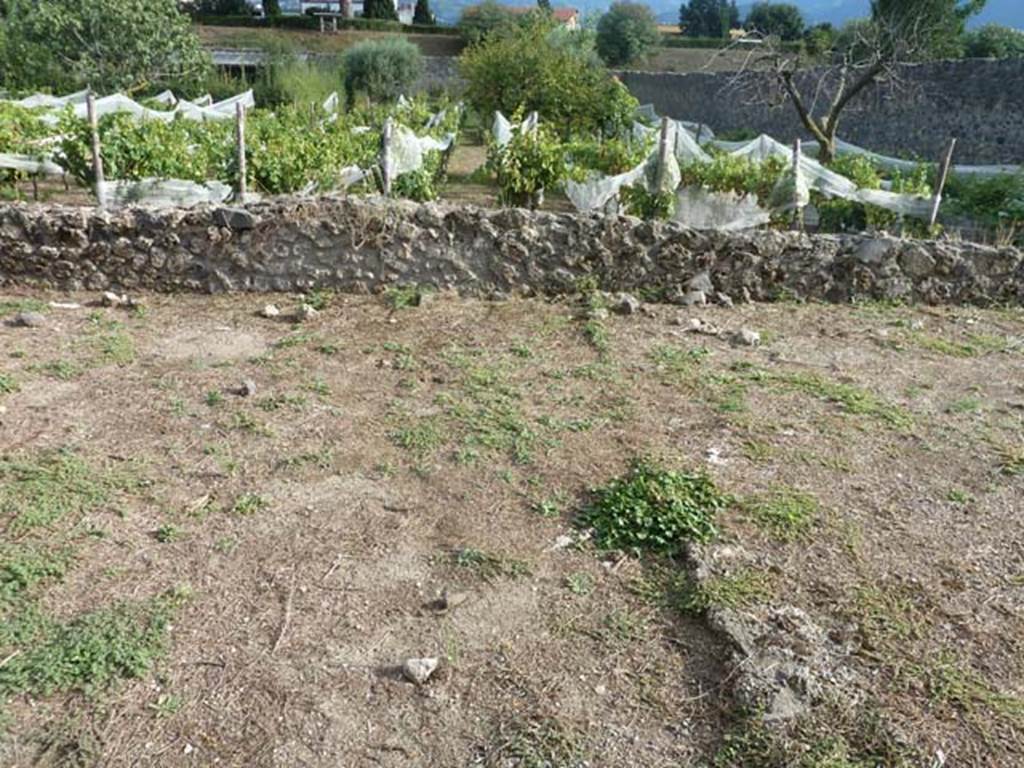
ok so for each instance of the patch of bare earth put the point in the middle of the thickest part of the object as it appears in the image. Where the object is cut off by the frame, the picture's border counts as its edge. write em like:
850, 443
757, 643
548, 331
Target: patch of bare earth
387, 456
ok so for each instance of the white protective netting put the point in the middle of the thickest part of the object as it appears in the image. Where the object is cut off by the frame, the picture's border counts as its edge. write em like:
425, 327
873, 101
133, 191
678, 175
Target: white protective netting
162, 193
501, 129
39, 165
200, 109
407, 150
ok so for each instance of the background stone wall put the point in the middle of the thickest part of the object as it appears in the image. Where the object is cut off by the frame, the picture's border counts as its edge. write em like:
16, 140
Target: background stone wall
979, 101
361, 245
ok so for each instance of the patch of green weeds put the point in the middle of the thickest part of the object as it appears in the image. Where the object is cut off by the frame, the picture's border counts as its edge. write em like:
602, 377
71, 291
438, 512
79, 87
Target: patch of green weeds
580, 583
399, 297
62, 370
8, 384
323, 458
757, 451
13, 306
403, 360
975, 345
249, 504
651, 508
950, 682
621, 626
853, 399
532, 741
958, 496
522, 350
677, 363
550, 507
22, 566
489, 566
165, 705
87, 653
214, 398
225, 545
739, 589
117, 348
596, 333
282, 400
1011, 459
785, 513
319, 299
966, 405
886, 615
246, 422
422, 436
168, 533
328, 349
294, 340
41, 490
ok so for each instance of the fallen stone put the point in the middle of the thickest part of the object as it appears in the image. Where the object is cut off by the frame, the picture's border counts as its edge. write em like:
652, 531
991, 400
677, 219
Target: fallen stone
247, 389
746, 338
452, 600
111, 299
627, 304
28, 320
237, 219
724, 299
270, 310
562, 542
700, 282
694, 298
697, 325
305, 312
419, 670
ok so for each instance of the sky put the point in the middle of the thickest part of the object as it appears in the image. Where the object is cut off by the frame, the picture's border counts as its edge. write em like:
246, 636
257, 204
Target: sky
1009, 12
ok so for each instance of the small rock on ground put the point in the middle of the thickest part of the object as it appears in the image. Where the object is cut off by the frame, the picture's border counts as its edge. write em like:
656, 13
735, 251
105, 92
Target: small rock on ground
746, 338
247, 388
452, 600
724, 299
306, 312
627, 304
700, 282
694, 298
28, 320
270, 310
419, 670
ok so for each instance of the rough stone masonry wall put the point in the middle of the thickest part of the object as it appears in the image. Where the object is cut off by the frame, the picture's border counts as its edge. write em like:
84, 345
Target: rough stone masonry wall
979, 101
294, 244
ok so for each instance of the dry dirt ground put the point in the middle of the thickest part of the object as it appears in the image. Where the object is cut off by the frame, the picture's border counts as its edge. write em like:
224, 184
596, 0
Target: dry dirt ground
190, 576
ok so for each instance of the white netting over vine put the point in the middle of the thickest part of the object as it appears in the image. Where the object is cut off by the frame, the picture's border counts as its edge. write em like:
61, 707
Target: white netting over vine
407, 150
160, 193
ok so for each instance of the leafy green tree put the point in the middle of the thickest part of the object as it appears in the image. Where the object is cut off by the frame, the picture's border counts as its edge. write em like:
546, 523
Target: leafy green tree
110, 45
544, 5
708, 18
380, 9
626, 33
272, 7
535, 68
938, 24
780, 19
223, 8
820, 39
994, 41
382, 69
422, 14
490, 17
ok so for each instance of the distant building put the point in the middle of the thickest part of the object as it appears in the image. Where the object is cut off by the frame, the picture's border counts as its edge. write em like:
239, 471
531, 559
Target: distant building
567, 17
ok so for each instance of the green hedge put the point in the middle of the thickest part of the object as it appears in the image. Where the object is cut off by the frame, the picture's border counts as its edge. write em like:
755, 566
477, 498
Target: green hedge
307, 21
682, 41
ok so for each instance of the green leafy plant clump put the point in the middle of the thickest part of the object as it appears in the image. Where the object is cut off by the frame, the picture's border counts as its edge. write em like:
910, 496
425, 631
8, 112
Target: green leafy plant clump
651, 508
86, 653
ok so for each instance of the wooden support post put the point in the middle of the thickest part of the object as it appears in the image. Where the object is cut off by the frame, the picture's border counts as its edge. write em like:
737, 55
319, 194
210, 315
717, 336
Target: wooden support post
322, 29
941, 183
97, 157
385, 158
334, 24
240, 191
663, 152
798, 218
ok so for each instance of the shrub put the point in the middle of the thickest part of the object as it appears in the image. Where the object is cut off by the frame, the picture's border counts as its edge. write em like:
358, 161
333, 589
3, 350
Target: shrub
223, 8
380, 9
422, 13
626, 33
382, 69
994, 41
129, 44
479, 22
536, 68
783, 20
529, 163
287, 79
656, 509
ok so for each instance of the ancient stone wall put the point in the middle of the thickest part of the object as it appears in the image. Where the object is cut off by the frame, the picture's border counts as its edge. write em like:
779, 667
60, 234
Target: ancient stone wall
979, 101
361, 245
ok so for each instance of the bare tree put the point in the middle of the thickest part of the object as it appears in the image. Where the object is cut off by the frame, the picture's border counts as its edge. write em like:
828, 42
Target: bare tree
821, 89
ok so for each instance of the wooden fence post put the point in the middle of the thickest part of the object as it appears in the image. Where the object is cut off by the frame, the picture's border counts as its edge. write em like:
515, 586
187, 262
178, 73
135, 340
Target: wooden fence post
385, 158
798, 218
941, 185
97, 157
240, 191
663, 150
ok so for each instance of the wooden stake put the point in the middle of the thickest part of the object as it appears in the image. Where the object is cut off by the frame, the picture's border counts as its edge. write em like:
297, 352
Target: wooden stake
97, 157
798, 219
663, 150
240, 149
943, 176
385, 158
